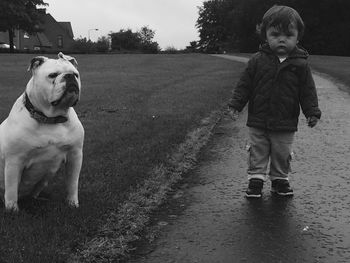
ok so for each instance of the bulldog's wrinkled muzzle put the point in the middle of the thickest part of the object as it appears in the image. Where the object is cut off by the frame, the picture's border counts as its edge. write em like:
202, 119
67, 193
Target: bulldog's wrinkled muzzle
72, 88
71, 94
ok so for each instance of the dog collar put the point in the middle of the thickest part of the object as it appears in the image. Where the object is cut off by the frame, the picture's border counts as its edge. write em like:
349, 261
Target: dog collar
39, 116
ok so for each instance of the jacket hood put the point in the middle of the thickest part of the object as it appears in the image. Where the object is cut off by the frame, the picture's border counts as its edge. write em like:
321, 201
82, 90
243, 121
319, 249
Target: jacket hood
298, 51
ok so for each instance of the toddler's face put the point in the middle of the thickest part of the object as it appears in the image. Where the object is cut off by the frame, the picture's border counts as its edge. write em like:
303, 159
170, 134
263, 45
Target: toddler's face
280, 42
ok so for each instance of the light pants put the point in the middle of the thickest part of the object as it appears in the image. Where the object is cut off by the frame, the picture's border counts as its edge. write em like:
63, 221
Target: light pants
269, 147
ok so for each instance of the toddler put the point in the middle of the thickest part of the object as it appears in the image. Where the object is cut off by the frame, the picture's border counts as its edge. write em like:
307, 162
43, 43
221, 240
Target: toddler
276, 82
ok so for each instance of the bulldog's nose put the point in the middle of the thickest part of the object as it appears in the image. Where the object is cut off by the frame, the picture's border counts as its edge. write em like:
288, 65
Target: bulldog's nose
69, 77
71, 83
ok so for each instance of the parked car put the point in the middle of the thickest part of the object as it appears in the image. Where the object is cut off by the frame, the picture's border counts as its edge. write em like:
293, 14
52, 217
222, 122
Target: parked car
4, 45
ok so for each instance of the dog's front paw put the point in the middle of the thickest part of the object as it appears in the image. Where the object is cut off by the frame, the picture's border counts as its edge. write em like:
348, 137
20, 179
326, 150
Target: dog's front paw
11, 207
72, 203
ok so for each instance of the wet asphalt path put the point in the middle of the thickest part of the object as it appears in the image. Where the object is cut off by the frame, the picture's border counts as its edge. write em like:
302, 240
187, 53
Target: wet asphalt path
211, 221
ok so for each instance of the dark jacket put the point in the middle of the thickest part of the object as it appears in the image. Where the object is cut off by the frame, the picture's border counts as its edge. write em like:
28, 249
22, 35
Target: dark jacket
275, 91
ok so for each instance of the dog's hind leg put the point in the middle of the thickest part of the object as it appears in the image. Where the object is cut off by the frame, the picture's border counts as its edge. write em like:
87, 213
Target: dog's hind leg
41, 185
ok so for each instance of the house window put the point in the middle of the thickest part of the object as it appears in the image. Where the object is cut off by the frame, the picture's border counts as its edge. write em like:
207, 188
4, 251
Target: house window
60, 41
25, 35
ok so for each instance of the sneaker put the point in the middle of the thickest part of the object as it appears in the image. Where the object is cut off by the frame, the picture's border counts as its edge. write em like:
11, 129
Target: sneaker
254, 188
281, 187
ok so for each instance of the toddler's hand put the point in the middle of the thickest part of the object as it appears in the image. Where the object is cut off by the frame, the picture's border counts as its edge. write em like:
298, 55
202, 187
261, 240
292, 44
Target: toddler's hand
233, 113
312, 121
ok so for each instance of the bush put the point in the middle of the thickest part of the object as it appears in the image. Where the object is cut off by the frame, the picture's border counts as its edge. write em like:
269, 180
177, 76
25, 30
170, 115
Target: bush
128, 41
151, 47
125, 39
103, 45
170, 50
83, 45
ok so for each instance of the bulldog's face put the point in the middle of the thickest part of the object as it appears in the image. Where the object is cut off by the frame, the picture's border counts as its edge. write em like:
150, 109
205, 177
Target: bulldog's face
55, 82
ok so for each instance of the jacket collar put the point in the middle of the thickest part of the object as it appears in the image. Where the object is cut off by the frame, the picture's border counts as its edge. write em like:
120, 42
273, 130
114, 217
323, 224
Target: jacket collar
298, 51
39, 116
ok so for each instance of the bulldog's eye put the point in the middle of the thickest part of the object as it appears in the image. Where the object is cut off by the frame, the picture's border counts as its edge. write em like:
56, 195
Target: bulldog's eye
53, 75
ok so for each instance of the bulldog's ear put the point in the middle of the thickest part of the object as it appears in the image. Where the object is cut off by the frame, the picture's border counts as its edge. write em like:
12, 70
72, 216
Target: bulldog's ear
69, 58
36, 62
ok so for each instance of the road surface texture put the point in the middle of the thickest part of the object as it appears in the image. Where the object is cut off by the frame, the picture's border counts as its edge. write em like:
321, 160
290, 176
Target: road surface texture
209, 220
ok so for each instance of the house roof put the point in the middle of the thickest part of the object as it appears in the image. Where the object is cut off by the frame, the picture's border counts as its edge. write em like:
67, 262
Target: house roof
68, 27
52, 29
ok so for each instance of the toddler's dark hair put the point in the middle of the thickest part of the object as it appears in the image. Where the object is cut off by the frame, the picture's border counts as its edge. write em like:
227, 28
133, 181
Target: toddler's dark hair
281, 17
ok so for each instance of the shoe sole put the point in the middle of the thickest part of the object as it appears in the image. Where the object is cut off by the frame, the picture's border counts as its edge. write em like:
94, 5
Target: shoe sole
253, 196
282, 194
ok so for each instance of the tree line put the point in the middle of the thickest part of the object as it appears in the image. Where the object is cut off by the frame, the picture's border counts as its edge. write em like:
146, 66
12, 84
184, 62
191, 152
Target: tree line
24, 15
125, 40
230, 25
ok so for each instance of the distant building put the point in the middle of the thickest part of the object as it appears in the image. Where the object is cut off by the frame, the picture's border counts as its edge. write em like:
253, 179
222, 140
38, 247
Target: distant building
55, 36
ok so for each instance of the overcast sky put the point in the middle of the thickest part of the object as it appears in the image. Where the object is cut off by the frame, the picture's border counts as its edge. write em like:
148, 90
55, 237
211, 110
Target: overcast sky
172, 20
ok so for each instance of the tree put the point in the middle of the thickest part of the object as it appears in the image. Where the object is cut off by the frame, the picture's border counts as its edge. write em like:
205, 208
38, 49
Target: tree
146, 35
192, 47
102, 44
125, 39
19, 14
83, 45
135, 41
211, 29
231, 24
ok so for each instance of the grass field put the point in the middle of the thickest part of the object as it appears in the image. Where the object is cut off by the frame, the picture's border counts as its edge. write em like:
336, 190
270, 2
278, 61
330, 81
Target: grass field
336, 67
136, 109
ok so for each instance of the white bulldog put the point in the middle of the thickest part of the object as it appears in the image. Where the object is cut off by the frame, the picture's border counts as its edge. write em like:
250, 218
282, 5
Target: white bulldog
42, 132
